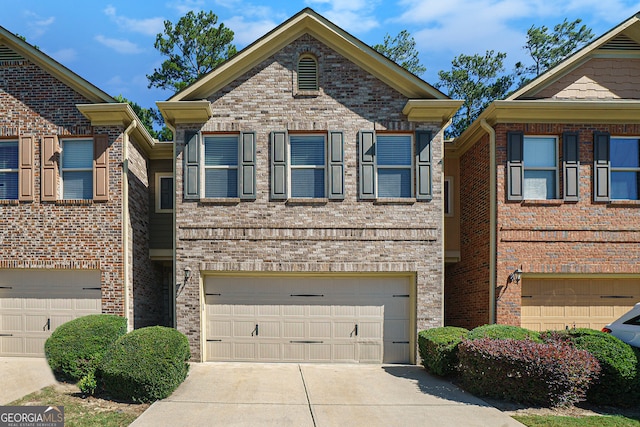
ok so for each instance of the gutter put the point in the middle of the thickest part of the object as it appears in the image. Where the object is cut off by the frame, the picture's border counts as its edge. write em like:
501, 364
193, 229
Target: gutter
174, 289
492, 219
126, 219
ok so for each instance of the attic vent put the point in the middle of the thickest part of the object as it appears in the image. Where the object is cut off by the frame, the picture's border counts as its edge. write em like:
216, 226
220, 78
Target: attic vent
8, 55
307, 73
621, 42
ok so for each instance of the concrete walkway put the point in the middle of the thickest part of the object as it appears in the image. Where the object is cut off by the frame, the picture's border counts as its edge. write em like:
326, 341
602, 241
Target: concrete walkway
249, 394
20, 376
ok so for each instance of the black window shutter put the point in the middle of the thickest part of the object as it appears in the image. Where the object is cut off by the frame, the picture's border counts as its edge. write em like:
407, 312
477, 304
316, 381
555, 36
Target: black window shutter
423, 166
515, 166
367, 165
601, 167
192, 165
571, 166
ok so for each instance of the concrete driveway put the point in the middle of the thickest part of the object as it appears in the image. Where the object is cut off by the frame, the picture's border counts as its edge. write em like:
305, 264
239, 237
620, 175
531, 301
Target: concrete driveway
249, 394
20, 376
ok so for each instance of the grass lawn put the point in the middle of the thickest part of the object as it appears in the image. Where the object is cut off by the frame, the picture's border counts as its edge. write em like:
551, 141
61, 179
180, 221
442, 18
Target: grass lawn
79, 412
565, 421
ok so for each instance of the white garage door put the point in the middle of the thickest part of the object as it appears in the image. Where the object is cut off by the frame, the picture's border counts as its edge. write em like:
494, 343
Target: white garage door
308, 319
33, 303
584, 303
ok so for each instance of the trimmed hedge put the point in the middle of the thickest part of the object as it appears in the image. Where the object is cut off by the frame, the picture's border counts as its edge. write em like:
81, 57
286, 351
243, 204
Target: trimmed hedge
617, 359
503, 332
145, 365
76, 347
439, 347
525, 371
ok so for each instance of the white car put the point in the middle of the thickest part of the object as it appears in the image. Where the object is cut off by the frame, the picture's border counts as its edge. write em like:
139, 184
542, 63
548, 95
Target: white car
627, 327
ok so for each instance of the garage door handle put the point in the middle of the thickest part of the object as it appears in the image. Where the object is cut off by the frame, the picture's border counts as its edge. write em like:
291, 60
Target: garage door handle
255, 331
306, 342
355, 331
47, 325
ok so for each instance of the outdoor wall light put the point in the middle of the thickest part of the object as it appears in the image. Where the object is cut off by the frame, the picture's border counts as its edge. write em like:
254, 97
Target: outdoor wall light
516, 275
187, 274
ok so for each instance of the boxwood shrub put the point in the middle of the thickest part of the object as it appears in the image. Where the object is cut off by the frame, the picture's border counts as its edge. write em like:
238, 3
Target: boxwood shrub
145, 365
524, 371
439, 349
76, 347
619, 375
503, 332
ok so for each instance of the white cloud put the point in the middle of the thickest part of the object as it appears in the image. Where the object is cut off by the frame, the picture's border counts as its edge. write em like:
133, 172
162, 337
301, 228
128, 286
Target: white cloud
184, 6
354, 16
64, 56
246, 32
37, 24
120, 46
147, 26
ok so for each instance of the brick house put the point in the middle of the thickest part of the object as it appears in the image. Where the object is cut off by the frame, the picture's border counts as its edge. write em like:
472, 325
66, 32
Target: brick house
76, 170
308, 215
547, 183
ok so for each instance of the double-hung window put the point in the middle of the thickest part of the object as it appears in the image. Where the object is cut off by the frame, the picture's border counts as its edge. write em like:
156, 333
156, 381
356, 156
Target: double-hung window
394, 155
76, 169
625, 168
540, 168
307, 170
8, 170
221, 166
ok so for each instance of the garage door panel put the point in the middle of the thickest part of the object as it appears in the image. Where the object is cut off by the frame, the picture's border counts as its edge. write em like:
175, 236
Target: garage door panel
319, 330
244, 351
396, 329
293, 310
320, 311
267, 329
220, 328
344, 329
319, 352
35, 323
370, 352
293, 329
11, 323
370, 330
269, 351
344, 353
293, 352
344, 311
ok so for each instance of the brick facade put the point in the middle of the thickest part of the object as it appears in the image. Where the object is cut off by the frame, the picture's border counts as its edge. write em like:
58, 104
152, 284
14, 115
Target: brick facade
323, 236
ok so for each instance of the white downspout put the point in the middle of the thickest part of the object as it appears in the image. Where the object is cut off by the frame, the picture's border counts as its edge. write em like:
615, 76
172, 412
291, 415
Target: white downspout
172, 301
126, 221
492, 219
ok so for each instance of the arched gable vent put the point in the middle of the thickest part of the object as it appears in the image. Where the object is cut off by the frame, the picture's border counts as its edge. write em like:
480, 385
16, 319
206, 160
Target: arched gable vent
307, 73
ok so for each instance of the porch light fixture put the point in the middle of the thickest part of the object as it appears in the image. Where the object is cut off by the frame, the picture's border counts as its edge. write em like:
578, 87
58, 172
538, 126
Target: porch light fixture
516, 275
187, 274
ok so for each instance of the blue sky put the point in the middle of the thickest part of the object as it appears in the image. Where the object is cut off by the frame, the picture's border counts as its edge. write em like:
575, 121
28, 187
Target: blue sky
110, 43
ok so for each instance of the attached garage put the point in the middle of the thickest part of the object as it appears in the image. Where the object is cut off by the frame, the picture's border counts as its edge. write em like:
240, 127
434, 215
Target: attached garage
309, 319
558, 303
33, 303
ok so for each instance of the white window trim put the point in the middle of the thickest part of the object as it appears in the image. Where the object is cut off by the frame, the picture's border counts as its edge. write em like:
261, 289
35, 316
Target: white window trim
449, 196
62, 170
159, 177
555, 169
291, 166
203, 181
17, 170
616, 169
411, 167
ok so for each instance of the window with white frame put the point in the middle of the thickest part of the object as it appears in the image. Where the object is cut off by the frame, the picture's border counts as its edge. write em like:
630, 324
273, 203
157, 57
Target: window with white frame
307, 165
540, 158
76, 169
394, 165
221, 166
8, 170
625, 168
164, 192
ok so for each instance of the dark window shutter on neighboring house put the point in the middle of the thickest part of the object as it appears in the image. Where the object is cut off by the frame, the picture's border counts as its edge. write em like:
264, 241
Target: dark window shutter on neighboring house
247, 178
423, 165
515, 166
367, 165
336, 165
25, 171
101, 168
279, 165
192, 165
601, 167
571, 166
49, 170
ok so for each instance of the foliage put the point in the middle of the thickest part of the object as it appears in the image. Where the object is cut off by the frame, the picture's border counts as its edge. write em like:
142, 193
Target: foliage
76, 347
564, 421
194, 46
439, 349
548, 49
478, 80
618, 361
88, 384
148, 116
402, 50
145, 365
527, 372
503, 332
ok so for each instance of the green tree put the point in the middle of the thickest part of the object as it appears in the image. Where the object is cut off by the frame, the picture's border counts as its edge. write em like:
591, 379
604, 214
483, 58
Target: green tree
402, 50
478, 80
149, 116
194, 46
547, 49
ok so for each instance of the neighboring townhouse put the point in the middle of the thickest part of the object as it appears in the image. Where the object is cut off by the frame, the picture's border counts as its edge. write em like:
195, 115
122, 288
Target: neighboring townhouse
74, 204
544, 230
309, 202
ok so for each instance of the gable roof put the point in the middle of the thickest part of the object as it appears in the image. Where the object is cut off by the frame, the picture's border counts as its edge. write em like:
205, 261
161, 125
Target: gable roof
309, 22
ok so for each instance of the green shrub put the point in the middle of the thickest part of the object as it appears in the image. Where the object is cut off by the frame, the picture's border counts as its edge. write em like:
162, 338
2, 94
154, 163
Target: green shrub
503, 332
76, 347
617, 360
145, 365
524, 371
439, 347
88, 384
